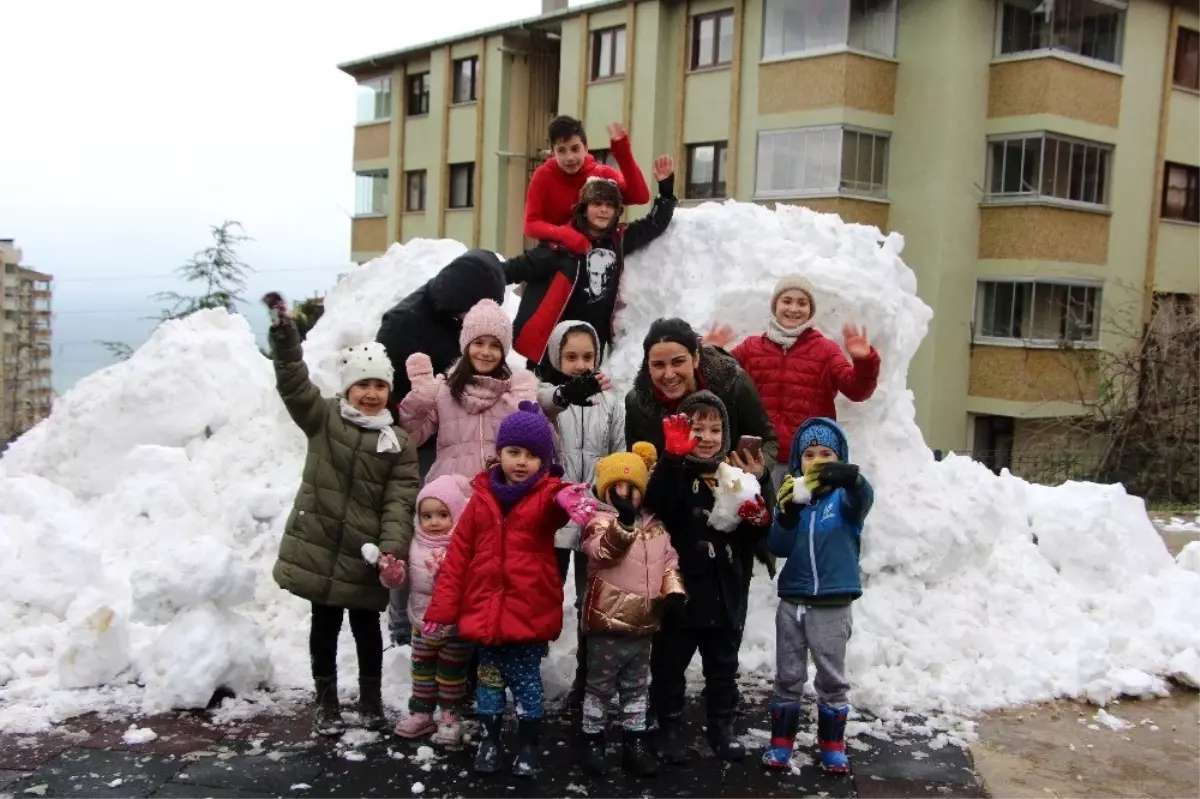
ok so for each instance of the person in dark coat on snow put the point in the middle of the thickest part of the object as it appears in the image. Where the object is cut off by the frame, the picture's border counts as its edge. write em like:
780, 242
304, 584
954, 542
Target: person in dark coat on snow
561, 285
429, 320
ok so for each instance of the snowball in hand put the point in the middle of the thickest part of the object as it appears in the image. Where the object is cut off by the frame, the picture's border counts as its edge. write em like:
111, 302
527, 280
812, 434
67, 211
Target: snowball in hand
370, 553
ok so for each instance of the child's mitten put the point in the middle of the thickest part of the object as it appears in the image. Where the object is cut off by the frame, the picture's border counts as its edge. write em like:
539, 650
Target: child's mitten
577, 500
578, 391
392, 571
419, 367
626, 513
837, 475
277, 308
677, 435
755, 512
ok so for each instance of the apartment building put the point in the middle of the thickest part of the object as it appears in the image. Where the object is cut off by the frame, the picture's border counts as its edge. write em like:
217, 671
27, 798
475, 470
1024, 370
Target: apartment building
25, 348
1041, 158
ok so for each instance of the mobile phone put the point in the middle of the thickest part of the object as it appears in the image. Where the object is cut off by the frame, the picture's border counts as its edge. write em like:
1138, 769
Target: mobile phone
750, 446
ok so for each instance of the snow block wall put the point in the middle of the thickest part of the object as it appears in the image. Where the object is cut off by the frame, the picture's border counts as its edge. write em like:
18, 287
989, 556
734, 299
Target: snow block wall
141, 520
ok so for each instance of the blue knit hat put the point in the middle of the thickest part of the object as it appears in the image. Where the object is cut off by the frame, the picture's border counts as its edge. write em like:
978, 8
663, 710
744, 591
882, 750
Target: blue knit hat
528, 428
822, 432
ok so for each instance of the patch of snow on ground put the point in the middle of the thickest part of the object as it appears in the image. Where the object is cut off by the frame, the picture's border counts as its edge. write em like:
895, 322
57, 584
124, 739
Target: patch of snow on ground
138, 735
1111, 721
169, 477
1180, 524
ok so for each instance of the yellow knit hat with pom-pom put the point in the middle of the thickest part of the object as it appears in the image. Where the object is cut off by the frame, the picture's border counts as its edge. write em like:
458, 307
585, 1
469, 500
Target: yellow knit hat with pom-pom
629, 467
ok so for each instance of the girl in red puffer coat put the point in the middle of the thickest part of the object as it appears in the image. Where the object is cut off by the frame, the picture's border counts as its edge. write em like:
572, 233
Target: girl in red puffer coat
797, 370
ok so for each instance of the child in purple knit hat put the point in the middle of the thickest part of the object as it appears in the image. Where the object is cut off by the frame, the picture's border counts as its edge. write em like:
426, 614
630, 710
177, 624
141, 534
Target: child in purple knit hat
500, 583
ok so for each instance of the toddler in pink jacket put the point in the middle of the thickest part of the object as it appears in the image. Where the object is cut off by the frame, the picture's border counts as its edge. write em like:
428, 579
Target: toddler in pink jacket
439, 664
464, 407
633, 576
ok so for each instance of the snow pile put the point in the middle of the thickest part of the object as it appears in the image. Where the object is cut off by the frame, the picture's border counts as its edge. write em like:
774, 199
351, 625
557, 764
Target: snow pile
162, 485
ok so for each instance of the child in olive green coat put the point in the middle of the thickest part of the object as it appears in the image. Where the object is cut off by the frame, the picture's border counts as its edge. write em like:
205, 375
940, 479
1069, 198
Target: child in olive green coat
359, 484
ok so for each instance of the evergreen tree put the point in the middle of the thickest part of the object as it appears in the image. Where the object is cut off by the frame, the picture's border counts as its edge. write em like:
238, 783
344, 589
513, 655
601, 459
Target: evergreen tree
218, 269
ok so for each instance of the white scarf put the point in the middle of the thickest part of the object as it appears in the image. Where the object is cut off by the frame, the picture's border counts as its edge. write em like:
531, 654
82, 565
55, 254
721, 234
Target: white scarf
381, 421
782, 336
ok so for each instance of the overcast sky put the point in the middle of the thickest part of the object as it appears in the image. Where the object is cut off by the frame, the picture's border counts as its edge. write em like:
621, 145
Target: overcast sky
130, 126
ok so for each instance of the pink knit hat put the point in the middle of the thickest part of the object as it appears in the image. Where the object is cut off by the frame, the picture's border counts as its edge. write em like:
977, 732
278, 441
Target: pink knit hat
486, 318
453, 490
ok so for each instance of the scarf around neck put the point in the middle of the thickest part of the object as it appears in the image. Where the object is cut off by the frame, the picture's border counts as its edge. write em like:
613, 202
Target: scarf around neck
380, 422
509, 494
784, 337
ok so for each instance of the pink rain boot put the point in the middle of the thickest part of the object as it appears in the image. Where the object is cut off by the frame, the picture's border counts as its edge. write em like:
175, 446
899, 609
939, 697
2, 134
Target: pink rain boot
449, 729
417, 725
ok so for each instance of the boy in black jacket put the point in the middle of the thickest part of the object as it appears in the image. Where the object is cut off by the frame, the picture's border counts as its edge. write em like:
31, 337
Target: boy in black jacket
561, 285
715, 566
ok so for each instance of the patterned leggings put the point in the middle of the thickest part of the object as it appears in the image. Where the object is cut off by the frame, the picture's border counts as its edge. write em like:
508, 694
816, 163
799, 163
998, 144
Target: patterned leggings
516, 666
617, 666
439, 673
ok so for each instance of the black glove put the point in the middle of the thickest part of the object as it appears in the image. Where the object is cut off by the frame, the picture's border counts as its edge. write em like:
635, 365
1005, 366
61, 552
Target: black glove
675, 605
838, 475
577, 391
626, 513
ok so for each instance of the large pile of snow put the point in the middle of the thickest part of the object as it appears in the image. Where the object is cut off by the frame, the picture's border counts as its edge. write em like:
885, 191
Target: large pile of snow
141, 520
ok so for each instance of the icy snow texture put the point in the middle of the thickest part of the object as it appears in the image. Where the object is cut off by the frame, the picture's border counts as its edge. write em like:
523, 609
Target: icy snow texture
163, 484
138, 735
1189, 557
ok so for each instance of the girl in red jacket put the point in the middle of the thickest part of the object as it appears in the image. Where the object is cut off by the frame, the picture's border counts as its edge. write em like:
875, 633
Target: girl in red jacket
500, 582
797, 370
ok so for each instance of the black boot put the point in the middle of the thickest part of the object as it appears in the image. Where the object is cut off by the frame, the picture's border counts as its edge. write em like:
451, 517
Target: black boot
671, 748
327, 719
724, 740
594, 753
370, 704
528, 762
490, 753
636, 755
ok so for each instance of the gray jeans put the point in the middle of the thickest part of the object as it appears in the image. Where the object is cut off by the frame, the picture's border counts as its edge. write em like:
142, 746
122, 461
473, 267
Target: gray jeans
824, 631
617, 664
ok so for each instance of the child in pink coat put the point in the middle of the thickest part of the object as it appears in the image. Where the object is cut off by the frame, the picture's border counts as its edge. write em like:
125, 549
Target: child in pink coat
439, 664
633, 572
464, 407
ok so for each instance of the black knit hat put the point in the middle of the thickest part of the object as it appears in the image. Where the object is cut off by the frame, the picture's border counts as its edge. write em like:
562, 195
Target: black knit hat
674, 330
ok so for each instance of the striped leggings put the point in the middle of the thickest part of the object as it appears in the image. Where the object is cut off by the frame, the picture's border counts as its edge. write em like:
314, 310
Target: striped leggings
439, 673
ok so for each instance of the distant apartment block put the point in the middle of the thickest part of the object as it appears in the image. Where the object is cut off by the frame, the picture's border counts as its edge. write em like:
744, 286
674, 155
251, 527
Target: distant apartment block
1042, 159
25, 351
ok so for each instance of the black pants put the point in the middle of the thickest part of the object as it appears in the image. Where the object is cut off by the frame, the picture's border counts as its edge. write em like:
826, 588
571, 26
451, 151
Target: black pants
323, 639
564, 562
674, 646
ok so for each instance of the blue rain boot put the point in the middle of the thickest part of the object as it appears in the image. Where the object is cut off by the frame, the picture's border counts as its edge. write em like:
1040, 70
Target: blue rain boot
490, 753
831, 736
785, 723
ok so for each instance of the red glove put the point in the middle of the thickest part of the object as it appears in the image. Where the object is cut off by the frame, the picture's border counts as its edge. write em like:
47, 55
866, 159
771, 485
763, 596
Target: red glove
755, 512
677, 435
392, 571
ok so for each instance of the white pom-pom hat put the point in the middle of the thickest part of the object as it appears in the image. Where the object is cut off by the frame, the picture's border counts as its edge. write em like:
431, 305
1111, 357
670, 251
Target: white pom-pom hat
364, 362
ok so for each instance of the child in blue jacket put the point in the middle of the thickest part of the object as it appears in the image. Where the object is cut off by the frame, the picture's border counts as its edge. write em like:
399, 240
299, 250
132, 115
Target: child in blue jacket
818, 528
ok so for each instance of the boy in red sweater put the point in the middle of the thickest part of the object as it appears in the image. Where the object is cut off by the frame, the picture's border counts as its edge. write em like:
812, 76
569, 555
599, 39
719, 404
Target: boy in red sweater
554, 189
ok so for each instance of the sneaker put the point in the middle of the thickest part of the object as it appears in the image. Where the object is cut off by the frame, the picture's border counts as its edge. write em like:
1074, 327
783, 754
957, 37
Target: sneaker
449, 729
417, 725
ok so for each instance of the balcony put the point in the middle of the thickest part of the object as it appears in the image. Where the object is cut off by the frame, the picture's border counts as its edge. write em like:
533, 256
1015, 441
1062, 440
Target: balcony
372, 142
839, 80
368, 234
1021, 374
1052, 84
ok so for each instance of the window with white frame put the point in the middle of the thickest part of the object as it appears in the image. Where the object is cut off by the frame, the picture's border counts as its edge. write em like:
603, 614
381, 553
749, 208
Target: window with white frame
466, 72
1037, 312
706, 171
462, 185
414, 190
608, 53
820, 161
1089, 28
798, 27
370, 192
375, 100
1036, 166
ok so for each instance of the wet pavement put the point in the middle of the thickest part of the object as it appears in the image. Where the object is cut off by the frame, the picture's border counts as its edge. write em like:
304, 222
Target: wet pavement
277, 756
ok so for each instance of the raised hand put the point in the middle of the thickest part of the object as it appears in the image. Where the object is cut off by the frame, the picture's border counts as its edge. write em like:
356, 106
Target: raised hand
577, 500
857, 343
677, 435
749, 462
719, 336
617, 130
664, 167
579, 391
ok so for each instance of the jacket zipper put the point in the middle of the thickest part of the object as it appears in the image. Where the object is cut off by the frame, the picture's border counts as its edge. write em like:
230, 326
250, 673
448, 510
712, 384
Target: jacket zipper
812, 548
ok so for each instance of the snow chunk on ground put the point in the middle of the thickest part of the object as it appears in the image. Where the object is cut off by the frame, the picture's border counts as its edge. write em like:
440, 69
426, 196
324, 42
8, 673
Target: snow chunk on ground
1111, 721
418, 788
1189, 557
138, 735
181, 464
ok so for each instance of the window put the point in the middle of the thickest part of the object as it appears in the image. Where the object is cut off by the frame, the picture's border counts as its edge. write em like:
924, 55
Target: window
712, 40
418, 94
375, 100
825, 160
1187, 59
462, 185
1046, 166
370, 193
1037, 311
465, 72
414, 190
608, 53
604, 157
705, 171
795, 27
1181, 193
1091, 28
